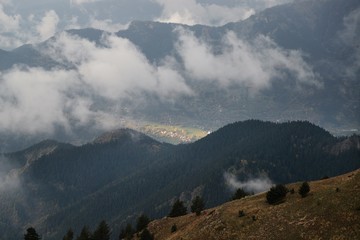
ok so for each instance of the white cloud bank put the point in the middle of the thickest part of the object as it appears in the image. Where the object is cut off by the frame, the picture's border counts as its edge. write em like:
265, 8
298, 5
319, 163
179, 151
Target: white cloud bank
119, 70
16, 30
38, 25
191, 12
8, 181
254, 65
35, 100
91, 93
213, 13
107, 25
79, 2
255, 185
48, 25
8, 23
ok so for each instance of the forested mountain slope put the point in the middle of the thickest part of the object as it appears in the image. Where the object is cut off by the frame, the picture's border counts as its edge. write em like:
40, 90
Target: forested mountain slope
123, 173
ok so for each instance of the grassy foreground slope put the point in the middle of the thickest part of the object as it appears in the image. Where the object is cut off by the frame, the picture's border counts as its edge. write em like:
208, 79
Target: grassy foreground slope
330, 211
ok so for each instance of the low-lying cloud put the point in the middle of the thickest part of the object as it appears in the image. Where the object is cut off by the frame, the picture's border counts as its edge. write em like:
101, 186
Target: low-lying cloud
8, 181
79, 2
16, 29
254, 64
37, 100
107, 25
9, 22
252, 185
99, 78
48, 25
213, 13
32, 100
26, 26
191, 12
118, 69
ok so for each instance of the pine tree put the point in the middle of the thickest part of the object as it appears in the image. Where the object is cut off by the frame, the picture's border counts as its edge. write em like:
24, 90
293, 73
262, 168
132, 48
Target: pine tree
173, 228
102, 232
178, 209
304, 189
276, 194
69, 235
197, 205
142, 222
240, 193
31, 234
146, 235
85, 234
127, 232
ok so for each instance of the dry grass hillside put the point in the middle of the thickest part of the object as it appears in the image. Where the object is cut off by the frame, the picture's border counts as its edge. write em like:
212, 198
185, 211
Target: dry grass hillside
330, 211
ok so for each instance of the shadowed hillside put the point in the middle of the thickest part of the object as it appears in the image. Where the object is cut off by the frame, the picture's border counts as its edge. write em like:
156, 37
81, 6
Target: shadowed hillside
122, 173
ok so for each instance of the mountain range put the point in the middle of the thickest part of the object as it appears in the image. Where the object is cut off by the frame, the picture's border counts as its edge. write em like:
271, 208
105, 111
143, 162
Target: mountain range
295, 67
54, 186
304, 66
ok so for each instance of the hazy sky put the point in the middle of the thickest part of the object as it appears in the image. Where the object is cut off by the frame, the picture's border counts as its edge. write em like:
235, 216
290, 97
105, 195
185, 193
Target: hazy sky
29, 21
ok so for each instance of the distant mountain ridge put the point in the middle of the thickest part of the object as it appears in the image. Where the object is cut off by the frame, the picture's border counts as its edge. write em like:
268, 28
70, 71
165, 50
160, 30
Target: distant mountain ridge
120, 134
306, 24
314, 28
125, 172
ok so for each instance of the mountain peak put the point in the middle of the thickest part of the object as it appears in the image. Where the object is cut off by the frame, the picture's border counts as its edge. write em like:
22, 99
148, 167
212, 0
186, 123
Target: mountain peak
123, 134
89, 33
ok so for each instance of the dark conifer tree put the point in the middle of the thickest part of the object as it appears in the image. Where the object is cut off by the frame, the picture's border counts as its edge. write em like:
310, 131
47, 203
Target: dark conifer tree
142, 222
173, 228
197, 205
102, 232
31, 234
240, 193
127, 232
146, 235
304, 189
178, 209
85, 234
69, 235
276, 194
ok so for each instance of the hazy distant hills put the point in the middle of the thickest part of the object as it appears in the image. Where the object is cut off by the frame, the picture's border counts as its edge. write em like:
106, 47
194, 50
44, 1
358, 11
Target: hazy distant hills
323, 34
313, 26
55, 186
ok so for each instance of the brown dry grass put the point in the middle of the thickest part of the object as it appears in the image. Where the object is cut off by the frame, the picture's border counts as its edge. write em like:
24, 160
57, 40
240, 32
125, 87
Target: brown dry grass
324, 214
